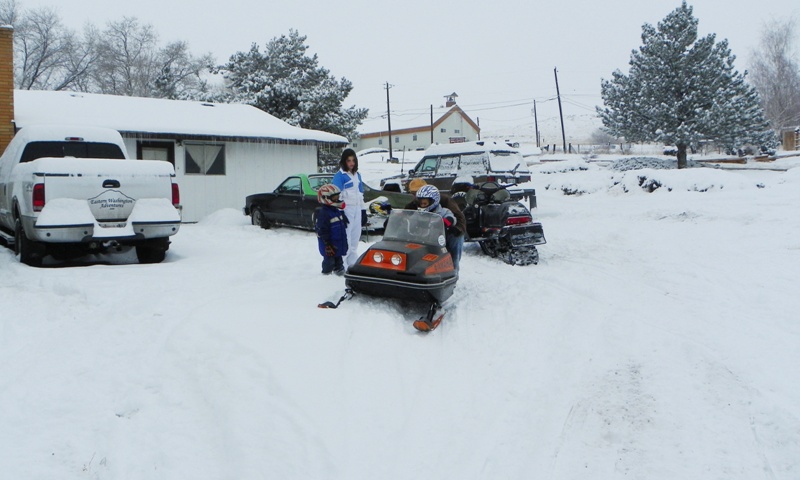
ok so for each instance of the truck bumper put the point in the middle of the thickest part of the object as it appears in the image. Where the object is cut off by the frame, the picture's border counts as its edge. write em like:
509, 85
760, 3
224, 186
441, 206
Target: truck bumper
124, 232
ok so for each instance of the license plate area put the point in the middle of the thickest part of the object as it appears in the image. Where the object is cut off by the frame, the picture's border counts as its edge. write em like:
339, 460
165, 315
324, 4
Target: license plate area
113, 224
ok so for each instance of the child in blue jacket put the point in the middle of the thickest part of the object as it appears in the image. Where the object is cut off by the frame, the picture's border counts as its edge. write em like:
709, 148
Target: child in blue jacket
331, 228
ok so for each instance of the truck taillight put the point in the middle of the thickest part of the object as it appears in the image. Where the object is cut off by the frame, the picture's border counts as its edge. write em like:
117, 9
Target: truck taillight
176, 195
38, 197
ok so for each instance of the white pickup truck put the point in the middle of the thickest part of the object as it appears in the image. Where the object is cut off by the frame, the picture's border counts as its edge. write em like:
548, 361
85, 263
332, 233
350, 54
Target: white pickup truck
68, 191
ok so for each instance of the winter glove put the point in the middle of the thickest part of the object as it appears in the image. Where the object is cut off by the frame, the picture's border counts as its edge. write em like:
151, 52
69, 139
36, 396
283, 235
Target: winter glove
449, 220
363, 218
330, 250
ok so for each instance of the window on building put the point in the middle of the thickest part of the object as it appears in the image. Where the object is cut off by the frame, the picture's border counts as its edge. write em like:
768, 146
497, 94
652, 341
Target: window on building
396, 139
443, 130
204, 159
156, 151
457, 131
380, 141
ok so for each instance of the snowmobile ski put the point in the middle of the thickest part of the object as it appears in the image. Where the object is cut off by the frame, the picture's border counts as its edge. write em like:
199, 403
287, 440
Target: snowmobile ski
426, 326
431, 320
348, 294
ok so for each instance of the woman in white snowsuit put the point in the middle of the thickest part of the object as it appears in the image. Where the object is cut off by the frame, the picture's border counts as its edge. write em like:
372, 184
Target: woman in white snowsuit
349, 182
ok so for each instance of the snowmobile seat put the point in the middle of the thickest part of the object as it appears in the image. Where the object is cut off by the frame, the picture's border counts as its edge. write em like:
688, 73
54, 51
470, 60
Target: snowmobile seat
476, 196
501, 196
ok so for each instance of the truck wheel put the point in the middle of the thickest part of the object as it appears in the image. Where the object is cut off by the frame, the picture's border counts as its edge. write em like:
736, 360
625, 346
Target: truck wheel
257, 218
154, 251
30, 252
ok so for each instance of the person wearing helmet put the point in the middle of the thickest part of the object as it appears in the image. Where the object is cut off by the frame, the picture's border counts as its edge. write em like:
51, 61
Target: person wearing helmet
429, 199
349, 182
331, 225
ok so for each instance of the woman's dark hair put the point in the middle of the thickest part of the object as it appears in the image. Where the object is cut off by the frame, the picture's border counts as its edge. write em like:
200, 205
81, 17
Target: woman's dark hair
348, 152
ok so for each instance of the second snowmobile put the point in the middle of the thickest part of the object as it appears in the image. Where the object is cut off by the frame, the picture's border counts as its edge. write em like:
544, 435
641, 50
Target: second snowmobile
503, 227
410, 263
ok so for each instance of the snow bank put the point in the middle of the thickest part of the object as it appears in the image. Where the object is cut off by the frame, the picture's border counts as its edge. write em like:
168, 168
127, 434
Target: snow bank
581, 177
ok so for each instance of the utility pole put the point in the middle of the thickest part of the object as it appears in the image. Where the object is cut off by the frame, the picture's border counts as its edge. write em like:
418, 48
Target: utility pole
389, 118
536, 123
431, 124
479, 127
560, 113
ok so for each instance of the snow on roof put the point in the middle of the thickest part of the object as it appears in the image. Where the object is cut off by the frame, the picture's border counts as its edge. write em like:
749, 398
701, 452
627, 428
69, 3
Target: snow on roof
156, 115
468, 147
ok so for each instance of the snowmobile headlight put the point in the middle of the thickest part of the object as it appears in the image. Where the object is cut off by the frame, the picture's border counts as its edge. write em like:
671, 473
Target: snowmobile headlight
377, 257
396, 259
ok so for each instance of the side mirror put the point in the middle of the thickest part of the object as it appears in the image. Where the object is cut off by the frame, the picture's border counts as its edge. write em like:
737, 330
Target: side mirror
411, 172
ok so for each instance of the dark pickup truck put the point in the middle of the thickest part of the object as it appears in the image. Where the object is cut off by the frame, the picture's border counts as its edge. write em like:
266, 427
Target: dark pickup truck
294, 202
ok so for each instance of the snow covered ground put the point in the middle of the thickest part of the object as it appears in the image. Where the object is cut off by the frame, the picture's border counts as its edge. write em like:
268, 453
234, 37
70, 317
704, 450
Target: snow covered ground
657, 339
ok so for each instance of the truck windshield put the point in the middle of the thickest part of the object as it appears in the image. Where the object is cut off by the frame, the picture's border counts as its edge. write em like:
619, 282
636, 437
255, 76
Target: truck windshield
36, 150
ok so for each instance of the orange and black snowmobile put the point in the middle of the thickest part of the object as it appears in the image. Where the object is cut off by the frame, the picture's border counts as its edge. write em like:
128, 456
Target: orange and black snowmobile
410, 263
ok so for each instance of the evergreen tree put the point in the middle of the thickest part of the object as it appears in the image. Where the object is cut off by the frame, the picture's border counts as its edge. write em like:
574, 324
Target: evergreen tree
682, 90
290, 85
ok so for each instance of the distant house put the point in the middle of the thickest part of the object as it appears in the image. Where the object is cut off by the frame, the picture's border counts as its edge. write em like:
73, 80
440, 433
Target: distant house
221, 152
449, 125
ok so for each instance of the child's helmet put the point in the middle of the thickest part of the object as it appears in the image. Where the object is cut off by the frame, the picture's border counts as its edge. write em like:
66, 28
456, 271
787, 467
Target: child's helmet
326, 193
431, 193
380, 208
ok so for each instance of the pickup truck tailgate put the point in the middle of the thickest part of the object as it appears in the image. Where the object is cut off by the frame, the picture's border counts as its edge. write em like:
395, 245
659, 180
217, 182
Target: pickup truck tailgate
109, 188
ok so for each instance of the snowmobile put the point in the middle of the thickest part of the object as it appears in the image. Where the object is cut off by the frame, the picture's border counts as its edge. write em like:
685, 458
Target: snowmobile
503, 227
410, 263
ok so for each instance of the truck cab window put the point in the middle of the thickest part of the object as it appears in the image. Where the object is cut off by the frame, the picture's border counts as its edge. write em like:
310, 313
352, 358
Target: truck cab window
428, 165
449, 165
36, 150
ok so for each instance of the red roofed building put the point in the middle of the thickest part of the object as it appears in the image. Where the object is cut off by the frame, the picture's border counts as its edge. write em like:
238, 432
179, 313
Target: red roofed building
452, 126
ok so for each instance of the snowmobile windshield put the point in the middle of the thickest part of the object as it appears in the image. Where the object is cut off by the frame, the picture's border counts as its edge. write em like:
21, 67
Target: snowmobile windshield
415, 226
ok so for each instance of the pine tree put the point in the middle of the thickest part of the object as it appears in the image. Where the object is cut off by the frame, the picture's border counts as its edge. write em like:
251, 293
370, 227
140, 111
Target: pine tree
682, 90
290, 85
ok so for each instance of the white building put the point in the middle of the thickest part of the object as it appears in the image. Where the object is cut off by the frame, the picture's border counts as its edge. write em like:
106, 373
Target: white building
447, 125
221, 152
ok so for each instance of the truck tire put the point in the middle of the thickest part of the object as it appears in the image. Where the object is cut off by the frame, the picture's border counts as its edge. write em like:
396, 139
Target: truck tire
258, 218
30, 252
153, 251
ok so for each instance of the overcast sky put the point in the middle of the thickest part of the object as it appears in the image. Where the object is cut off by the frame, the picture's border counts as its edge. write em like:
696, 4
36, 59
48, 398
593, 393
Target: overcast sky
493, 54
